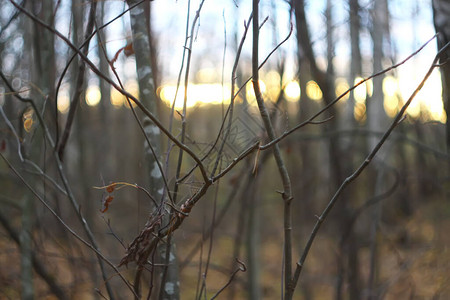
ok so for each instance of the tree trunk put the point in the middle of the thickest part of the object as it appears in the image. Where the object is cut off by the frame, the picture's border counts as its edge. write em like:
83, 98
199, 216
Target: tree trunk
168, 275
376, 118
441, 13
253, 244
42, 62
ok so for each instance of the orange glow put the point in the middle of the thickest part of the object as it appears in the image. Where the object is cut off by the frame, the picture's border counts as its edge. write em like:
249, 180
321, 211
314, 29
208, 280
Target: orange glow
197, 94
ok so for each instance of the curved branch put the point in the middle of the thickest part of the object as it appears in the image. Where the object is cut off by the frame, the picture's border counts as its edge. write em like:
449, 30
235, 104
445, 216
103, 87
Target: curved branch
361, 168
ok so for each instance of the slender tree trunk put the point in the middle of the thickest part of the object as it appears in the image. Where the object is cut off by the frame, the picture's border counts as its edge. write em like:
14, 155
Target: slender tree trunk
375, 121
167, 275
253, 211
355, 62
338, 169
44, 51
330, 37
106, 158
79, 134
240, 224
283, 173
43, 62
26, 248
347, 145
441, 13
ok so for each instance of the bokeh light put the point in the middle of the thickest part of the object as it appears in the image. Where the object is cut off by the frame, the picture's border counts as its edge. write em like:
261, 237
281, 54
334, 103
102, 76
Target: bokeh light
197, 94
313, 91
341, 88
292, 91
63, 100
93, 95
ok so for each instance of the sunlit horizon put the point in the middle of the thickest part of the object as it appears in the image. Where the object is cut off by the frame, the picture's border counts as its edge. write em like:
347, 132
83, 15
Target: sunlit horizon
428, 104
206, 87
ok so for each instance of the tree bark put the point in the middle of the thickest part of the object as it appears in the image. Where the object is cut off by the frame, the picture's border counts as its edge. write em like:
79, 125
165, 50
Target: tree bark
376, 118
168, 275
441, 13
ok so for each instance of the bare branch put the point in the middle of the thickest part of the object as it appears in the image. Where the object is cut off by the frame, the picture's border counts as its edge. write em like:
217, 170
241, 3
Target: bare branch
361, 168
241, 268
287, 193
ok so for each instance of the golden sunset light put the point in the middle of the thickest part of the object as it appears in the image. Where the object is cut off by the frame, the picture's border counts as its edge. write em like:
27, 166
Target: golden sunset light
93, 95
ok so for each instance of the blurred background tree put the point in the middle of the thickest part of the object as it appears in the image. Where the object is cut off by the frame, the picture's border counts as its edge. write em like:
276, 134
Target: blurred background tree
133, 158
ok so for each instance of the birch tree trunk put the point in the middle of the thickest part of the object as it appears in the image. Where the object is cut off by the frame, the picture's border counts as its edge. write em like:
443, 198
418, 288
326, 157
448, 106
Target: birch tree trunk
168, 275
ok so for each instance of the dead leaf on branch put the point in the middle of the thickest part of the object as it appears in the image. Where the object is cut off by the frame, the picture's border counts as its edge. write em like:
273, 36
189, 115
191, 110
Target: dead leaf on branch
128, 50
141, 247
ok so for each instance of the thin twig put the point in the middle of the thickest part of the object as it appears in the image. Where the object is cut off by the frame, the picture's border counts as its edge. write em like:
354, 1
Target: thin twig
172, 110
186, 83
241, 268
211, 237
229, 112
287, 193
369, 202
